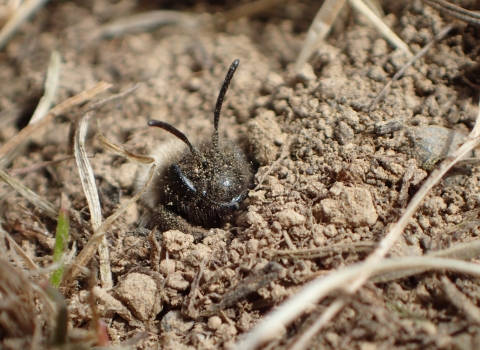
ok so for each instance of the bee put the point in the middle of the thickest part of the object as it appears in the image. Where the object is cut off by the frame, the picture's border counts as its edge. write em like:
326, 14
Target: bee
200, 183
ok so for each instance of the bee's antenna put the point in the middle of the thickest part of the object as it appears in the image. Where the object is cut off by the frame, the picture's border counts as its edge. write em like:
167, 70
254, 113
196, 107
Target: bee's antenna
177, 133
221, 96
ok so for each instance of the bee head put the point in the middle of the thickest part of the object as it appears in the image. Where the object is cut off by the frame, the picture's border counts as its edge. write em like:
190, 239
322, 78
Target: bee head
208, 182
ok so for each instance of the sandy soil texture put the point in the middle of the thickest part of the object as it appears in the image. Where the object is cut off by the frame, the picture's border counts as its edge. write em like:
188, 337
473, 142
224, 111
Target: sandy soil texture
332, 173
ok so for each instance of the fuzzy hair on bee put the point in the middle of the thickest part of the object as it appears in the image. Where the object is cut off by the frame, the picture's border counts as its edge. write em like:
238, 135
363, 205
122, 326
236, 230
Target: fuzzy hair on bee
200, 183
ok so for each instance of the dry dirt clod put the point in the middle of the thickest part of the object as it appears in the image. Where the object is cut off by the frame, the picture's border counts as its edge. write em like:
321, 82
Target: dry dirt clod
141, 295
176, 241
176, 281
352, 207
173, 321
289, 218
265, 137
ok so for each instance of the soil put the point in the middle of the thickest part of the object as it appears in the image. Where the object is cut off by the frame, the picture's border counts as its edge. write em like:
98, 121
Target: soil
329, 171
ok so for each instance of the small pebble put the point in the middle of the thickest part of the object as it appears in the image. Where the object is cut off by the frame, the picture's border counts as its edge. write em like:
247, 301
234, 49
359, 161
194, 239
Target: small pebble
214, 322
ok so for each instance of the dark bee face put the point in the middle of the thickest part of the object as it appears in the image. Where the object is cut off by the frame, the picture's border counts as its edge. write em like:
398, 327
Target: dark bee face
206, 192
204, 184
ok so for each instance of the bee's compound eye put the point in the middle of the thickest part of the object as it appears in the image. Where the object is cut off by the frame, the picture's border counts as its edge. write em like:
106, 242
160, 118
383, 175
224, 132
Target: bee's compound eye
183, 181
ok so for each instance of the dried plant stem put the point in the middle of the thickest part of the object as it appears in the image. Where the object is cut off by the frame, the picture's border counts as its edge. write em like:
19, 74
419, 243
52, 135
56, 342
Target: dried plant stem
304, 339
25, 10
87, 252
51, 84
144, 21
93, 200
319, 29
26, 259
47, 207
455, 11
320, 288
15, 142
382, 28
410, 62
460, 301
250, 9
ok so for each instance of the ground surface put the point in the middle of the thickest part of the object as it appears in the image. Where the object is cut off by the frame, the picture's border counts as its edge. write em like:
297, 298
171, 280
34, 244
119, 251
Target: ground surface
329, 173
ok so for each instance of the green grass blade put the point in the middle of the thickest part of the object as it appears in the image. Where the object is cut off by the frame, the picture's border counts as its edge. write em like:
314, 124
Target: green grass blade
61, 240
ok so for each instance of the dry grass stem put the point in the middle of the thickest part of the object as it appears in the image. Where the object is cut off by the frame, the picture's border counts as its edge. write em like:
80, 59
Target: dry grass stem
250, 9
7, 9
304, 339
87, 252
26, 259
14, 143
98, 103
320, 288
463, 251
146, 21
319, 29
440, 36
455, 11
46, 207
91, 193
22, 13
18, 250
320, 252
51, 84
382, 28
121, 151
460, 301
37, 166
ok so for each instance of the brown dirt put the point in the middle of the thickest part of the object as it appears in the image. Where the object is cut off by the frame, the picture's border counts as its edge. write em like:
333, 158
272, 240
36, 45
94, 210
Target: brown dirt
328, 170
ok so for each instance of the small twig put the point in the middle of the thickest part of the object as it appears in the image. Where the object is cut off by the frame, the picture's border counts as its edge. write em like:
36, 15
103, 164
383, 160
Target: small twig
304, 339
142, 22
291, 309
188, 307
320, 252
382, 28
26, 9
249, 285
155, 251
51, 85
455, 11
319, 29
12, 144
19, 250
288, 240
460, 301
48, 208
89, 249
250, 9
410, 62
38, 166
